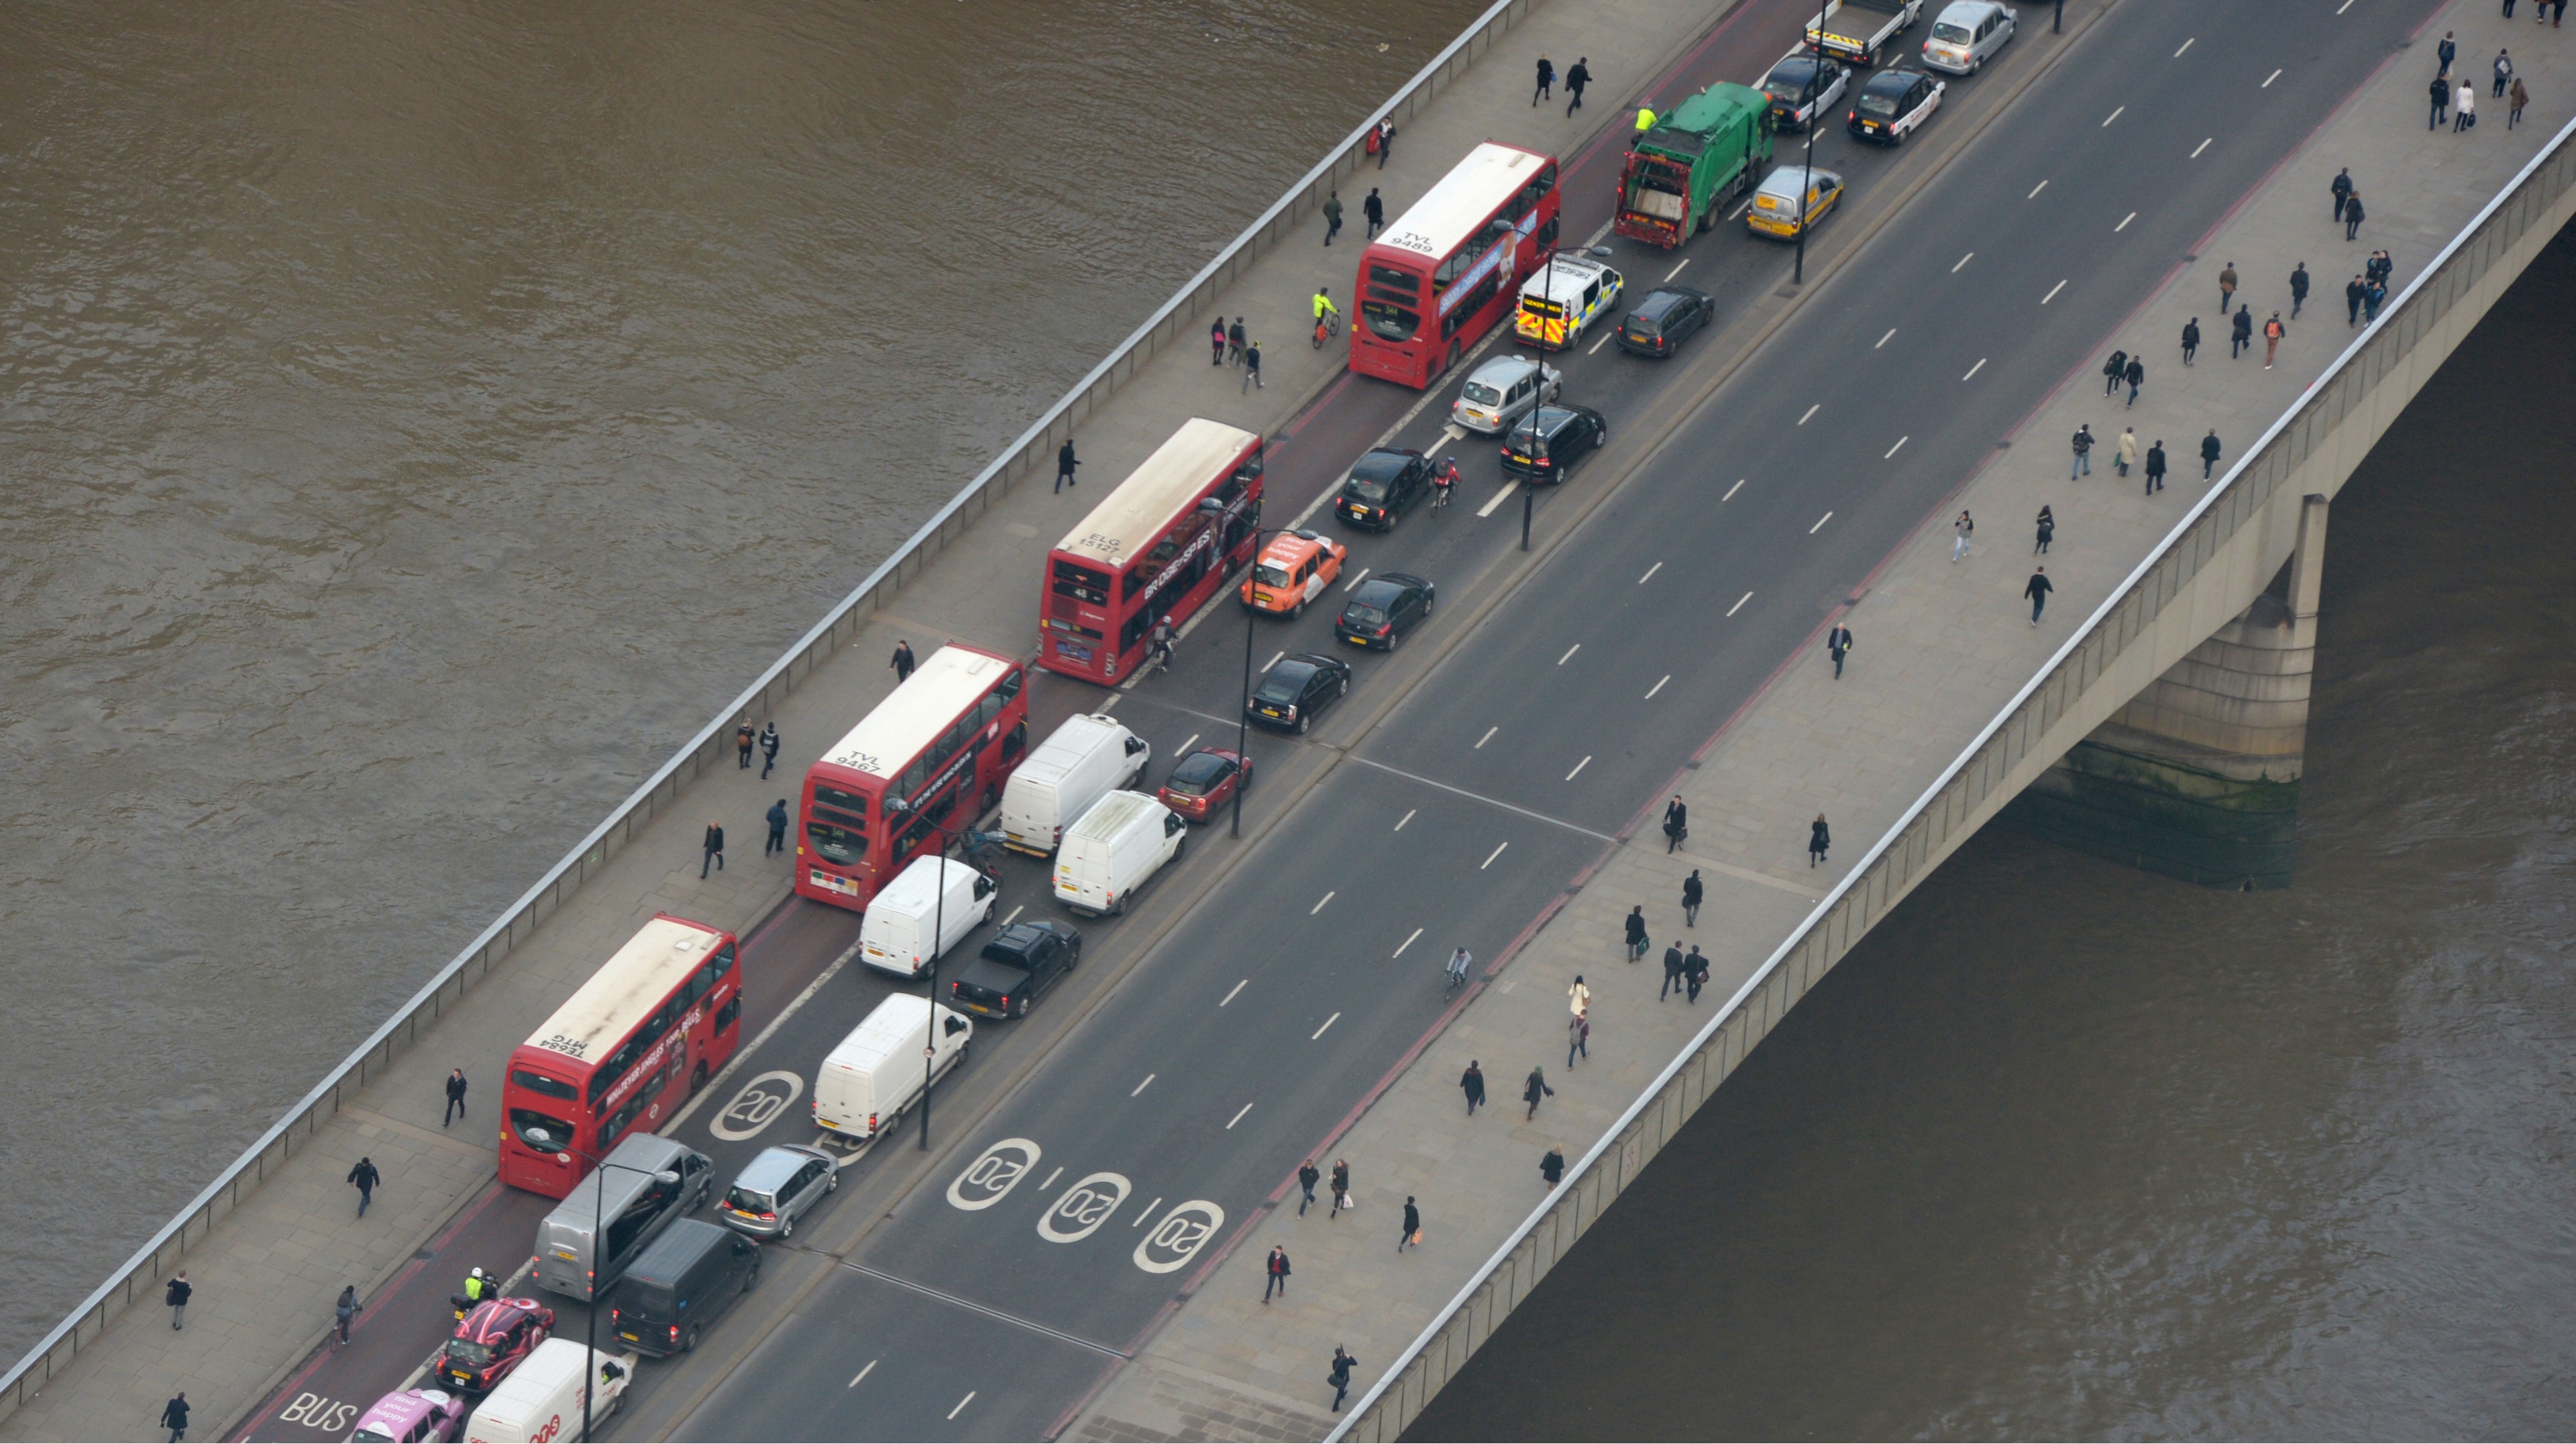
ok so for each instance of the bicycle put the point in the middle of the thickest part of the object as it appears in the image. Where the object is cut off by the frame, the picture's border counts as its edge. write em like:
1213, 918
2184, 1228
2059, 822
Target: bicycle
1459, 964
1327, 326
1442, 485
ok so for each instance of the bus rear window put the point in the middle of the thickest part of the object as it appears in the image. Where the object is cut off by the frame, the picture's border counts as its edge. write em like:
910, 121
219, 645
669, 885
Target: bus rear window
540, 1083
839, 845
1082, 583
1390, 322
1395, 280
544, 1134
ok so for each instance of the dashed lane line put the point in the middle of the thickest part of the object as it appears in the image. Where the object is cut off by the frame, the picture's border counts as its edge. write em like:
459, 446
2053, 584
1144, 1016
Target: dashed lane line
987, 1310
1512, 808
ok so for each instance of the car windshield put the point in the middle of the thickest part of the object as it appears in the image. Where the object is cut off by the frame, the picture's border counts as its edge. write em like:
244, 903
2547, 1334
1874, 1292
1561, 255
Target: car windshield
1789, 81
1875, 101
749, 1200
469, 1353
1955, 34
1482, 394
1371, 473
370, 1436
1360, 614
1197, 774
1284, 682
1270, 576
1544, 422
1365, 490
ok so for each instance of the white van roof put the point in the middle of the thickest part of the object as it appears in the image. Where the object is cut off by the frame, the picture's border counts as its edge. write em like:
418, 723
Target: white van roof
1112, 815
1069, 743
894, 1021
1563, 279
915, 888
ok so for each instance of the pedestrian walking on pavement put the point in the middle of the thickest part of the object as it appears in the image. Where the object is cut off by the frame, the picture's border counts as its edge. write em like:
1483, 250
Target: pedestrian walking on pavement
1676, 823
1534, 1090
2208, 453
2226, 288
1691, 892
174, 1416
777, 817
2342, 187
2464, 108
2353, 292
2047, 531
1308, 1175
1672, 971
2273, 331
2083, 463
1636, 926
2515, 100
1411, 1232
1546, 81
2370, 302
768, 750
2446, 52
1216, 342
1838, 643
1332, 216
176, 1296
1341, 1189
1277, 1268
1374, 211
2111, 371
2508, 8
455, 1097
1065, 462
902, 663
2190, 339
1575, 79
713, 848
2440, 94
1578, 998
2240, 334
2125, 455
1819, 838
2298, 288
1472, 1083
2156, 467
2352, 216
1234, 343
1695, 971
345, 1310
1252, 368
1551, 1166
2037, 589
744, 739
1385, 137
2137, 374
364, 1178
1340, 1377
1961, 530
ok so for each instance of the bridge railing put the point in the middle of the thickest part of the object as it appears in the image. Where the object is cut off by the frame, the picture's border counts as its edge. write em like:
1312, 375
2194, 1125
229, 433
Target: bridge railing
2537, 200
143, 1272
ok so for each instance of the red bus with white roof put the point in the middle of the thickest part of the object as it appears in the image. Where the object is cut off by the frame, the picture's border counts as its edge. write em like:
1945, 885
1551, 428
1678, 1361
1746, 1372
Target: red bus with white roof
623, 1052
1437, 279
882, 795
1158, 546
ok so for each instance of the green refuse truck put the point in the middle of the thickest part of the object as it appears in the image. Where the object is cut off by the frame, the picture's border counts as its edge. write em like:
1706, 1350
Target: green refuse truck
1691, 162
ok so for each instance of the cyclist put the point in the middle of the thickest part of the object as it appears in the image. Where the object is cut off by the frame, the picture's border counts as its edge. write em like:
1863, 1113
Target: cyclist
1441, 483
1158, 646
1459, 962
1328, 317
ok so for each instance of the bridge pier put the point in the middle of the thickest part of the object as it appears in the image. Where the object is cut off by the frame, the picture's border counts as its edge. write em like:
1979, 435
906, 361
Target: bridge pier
2198, 776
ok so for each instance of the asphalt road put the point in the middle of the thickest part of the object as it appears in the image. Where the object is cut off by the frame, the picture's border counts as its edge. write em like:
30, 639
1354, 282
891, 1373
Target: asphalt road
1459, 795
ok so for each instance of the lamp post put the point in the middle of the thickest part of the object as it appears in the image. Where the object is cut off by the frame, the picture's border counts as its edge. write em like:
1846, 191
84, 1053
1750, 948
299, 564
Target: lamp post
598, 1225
1228, 515
1538, 345
1815, 117
938, 934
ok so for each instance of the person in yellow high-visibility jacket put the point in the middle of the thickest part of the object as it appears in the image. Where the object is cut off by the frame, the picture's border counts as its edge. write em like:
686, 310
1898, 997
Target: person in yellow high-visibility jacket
1645, 118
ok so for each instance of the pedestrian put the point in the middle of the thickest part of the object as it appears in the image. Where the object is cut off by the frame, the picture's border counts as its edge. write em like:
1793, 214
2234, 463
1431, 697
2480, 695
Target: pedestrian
1252, 367
1065, 462
1332, 216
1341, 1189
1411, 1232
364, 1178
2370, 302
1374, 211
174, 1416
777, 817
2226, 287
2465, 109
1546, 81
1672, 971
1234, 343
2137, 374
2126, 454
1645, 115
2083, 463
1472, 1083
902, 662
1575, 79
1819, 838
1340, 1378
1578, 998
1691, 892
2352, 216
2342, 187
1676, 823
2156, 467
2515, 100
1384, 135
176, 1296
1838, 642
1960, 532
2298, 288
2047, 531
768, 750
1216, 342
2208, 453
713, 847
1551, 1166
346, 1309
2190, 339
455, 1097
2037, 589
2446, 52
2353, 291
1695, 971
1308, 1175
744, 739
2508, 8
1277, 1268
2273, 331
2503, 73
1534, 1090
2240, 334
2440, 92
1636, 926
2111, 371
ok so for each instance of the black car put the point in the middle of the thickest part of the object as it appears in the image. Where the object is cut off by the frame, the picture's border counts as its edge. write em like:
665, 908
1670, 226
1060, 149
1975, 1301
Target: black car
1378, 614
1543, 447
1894, 105
1022, 961
1803, 86
1297, 689
1382, 486
1661, 321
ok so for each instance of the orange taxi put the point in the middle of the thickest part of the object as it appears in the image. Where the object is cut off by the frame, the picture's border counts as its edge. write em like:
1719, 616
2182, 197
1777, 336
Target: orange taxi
1292, 571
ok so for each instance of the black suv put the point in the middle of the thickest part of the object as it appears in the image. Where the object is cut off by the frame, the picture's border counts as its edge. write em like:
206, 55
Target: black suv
1297, 689
1543, 447
1379, 613
1022, 961
1663, 319
1382, 486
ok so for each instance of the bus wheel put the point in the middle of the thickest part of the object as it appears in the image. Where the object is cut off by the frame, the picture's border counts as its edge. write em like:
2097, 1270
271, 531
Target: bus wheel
698, 1078
1452, 363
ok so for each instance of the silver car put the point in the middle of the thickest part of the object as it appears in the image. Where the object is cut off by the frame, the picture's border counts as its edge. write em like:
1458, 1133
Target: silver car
1503, 391
1967, 34
777, 1188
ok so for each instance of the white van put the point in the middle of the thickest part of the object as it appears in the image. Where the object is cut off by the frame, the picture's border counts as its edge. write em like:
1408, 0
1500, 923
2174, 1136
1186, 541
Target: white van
542, 1397
894, 937
876, 1072
1086, 759
1124, 839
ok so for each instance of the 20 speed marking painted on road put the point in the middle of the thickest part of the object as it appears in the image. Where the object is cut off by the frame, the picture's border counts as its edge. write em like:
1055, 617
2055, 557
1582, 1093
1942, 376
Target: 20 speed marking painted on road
994, 1173
756, 1106
1179, 1237
1084, 1207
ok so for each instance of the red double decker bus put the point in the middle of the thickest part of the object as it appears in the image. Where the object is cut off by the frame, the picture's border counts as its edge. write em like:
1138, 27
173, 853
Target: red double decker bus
1446, 271
950, 734
1160, 545
649, 1028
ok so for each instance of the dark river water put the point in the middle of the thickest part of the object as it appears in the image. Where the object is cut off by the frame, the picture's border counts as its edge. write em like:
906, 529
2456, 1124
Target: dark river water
2064, 1150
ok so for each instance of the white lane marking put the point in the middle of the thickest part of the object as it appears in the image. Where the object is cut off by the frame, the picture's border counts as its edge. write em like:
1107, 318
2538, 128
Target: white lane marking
1051, 1178
2196, 150
1488, 508
1513, 808
1677, 269
1595, 348
1579, 766
1820, 522
1454, 432
1650, 572
1732, 490
1230, 992
1015, 912
1954, 270
1883, 340
2035, 190
1659, 686
1899, 446
1246, 1108
1148, 1215
1355, 581
1811, 413
1408, 942
2124, 223
1274, 659
1739, 604
1444, 440
2186, 45
1319, 1032
2114, 115
1489, 857
962, 1403
1105, 707
1481, 741
2346, 5
1739, 210
2052, 293
715, 1085
2268, 79
1186, 746
1569, 653
1973, 370
863, 1373
1408, 817
1319, 904
1141, 1086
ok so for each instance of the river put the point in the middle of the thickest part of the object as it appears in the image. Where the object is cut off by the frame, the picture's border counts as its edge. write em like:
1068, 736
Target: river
2064, 1150
418, 419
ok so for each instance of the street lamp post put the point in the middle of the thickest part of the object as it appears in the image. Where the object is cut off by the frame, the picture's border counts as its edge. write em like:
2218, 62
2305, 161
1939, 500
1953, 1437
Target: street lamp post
1538, 346
1815, 117
1226, 515
590, 1318
938, 935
